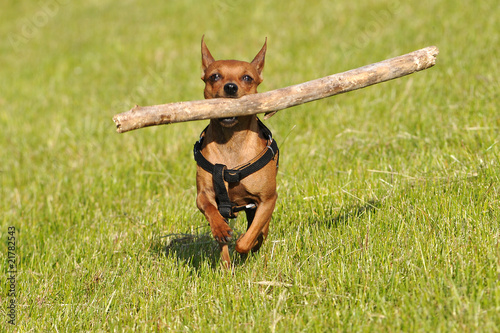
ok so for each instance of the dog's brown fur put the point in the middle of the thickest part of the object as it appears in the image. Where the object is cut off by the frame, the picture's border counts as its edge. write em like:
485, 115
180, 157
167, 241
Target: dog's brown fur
233, 142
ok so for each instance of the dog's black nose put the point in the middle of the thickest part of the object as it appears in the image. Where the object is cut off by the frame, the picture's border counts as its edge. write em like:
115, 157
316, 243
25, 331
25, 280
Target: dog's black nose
231, 89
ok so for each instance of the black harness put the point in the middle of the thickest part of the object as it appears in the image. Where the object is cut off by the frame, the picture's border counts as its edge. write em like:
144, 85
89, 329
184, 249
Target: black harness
221, 173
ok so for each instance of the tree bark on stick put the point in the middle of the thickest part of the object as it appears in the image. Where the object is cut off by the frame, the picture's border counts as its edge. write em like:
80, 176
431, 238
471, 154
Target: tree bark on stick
272, 101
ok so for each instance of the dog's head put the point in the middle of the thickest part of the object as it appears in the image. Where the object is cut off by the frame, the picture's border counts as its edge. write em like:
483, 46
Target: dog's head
231, 78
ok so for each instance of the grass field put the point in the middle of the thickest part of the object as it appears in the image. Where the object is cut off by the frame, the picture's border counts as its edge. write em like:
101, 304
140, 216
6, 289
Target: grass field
389, 197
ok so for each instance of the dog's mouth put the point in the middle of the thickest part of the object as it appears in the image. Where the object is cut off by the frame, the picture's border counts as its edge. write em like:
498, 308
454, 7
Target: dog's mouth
228, 122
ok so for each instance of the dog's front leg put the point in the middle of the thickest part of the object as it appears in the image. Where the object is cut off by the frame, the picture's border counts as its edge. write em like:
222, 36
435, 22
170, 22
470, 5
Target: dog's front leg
220, 229
258, 229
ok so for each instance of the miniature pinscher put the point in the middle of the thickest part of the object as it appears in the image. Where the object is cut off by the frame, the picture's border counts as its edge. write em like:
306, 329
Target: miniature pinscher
237, 157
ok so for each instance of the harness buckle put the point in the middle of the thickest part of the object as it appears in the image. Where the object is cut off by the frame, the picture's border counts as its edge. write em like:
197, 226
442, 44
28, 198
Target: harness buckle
232, 176
226, 210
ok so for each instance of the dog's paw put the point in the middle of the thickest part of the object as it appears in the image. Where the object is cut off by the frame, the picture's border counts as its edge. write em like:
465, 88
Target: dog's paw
244, 246
222, 233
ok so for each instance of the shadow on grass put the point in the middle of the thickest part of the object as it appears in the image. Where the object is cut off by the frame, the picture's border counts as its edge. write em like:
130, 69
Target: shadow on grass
194, 250
350, 212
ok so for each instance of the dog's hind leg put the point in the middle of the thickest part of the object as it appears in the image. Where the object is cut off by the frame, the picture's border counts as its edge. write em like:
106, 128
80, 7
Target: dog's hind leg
224, 253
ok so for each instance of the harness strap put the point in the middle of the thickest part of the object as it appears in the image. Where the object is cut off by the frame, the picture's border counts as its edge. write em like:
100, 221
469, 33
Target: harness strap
222, 197
220, 173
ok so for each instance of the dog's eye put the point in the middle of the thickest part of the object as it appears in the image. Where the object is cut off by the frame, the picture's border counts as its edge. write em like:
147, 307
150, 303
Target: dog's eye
215, 77
247, 78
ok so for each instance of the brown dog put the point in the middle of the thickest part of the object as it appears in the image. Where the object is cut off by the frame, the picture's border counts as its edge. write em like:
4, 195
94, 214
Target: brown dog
237, 157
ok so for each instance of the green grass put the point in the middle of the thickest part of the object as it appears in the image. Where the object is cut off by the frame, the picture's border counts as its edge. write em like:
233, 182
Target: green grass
388, 210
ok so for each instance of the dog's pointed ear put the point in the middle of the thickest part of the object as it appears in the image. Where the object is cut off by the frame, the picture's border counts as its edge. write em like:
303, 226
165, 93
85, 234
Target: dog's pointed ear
260, 58
206, 56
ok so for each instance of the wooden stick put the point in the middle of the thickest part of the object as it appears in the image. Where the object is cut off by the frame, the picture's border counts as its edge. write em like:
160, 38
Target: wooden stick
278, 99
